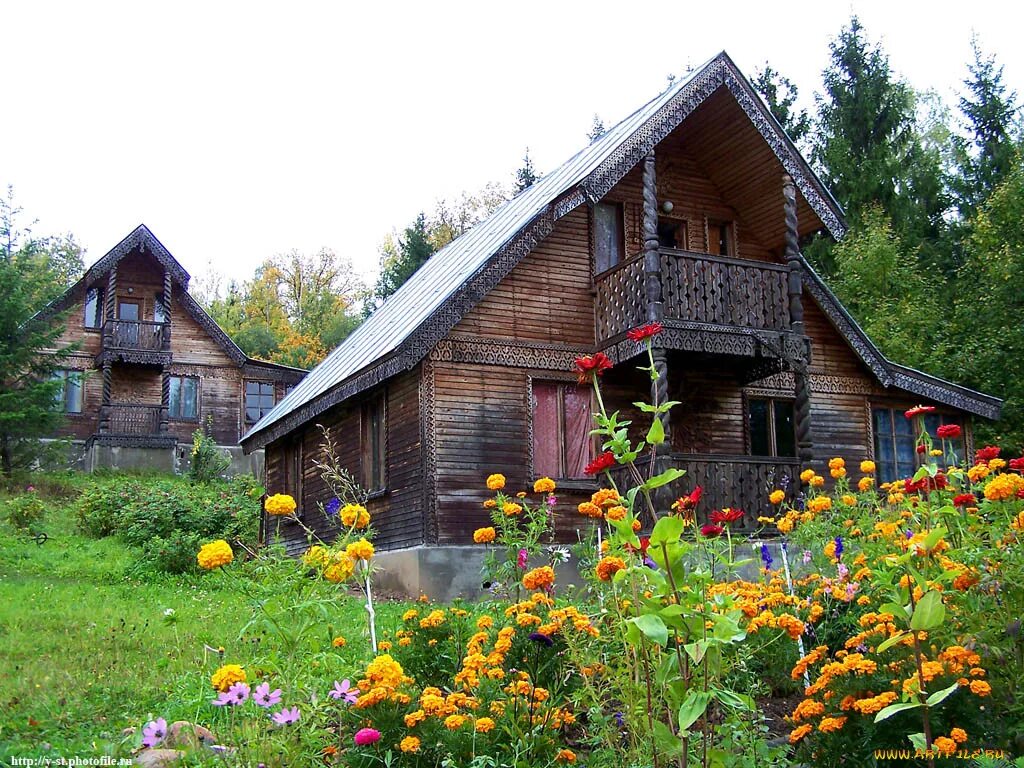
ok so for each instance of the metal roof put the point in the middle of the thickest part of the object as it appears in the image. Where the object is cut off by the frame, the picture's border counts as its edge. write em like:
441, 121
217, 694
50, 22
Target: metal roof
449, 268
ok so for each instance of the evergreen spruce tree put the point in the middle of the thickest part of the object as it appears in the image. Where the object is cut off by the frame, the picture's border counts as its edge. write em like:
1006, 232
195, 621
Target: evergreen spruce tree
400, 260
597, 129
780, 94
526, 175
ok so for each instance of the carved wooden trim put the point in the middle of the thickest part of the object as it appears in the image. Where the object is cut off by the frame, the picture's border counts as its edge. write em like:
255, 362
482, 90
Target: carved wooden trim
948, 394
133, 441
512, 354
428, 455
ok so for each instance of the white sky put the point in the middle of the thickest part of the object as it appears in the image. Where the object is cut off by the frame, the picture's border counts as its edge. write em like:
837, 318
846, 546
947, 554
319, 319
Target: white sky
239, 130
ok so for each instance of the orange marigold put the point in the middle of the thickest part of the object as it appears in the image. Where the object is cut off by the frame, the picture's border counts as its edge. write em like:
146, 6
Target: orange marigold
609, 566
959, 735
495, 482
799, 733
539, 578
544, 485
944, 744
484, 535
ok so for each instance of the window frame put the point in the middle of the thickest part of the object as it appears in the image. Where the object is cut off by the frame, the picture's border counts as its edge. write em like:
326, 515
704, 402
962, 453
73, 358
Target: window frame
680, 229
97, 296
620, 223
728, 226
373, 444
917, 460
773, 402
563, 478
245, 398
198, 398
64, 375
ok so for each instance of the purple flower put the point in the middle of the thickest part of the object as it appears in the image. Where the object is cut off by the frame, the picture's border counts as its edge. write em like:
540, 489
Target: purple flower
233, 696
154, 732
620, 720
552, 500
266, 698
332, 506
843, 571
839, 547
807, 556
541, 638
851, 590
523, 557
286, 716
766, 557
909, 534
343, 690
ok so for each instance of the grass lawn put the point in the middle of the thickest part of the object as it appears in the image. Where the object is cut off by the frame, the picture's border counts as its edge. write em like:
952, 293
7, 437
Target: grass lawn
86, 649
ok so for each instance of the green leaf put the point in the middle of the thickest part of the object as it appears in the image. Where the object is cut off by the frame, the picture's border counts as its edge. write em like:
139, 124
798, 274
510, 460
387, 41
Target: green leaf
889, 643
934, 536
734, 700
692, 708
898, 611
653, 627
697, 650
667, 531
656, 434
929, 612
666, 742
892, 709
918, 740
668, 476
939, 696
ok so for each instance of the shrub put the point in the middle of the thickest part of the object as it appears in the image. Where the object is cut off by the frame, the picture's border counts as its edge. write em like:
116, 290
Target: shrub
209, 462
24, 512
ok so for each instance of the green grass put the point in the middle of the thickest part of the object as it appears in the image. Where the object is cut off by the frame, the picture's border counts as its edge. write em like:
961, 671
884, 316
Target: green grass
86, 650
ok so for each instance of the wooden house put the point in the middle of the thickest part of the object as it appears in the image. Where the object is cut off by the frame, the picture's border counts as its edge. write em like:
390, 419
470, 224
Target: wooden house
689, 212
151, 366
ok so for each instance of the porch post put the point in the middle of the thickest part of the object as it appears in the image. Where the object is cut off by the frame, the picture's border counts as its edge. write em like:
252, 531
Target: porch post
652, 289
166, 337
104, 425
802, 405
110, 307
165, 401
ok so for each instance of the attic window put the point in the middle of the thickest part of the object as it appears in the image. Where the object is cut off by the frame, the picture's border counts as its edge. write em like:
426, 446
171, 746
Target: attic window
609, 236
93, 308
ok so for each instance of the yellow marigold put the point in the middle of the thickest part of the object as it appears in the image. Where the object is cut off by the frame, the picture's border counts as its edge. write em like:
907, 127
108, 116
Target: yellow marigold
806, 475
227, 676
977, 472
980, 688
339, 568
454, 722
777, 497
384, 645
831, 724
944, 744
433, 619
410, 744
959, 735
279, 504
215, 554
867, 467
807, 709
484, 725
799, 733
874, 704
865, 484
997, 463
605, 497
817, 481
848, 500
383, 672
1018, 522
836, 463
785, 525
495, 482
484, 622
565, 756
360, 550
490, 504
484, 535
838, 473
589, 509
339, 642
819, 504
539, 578
1003, 487
315, 557
617, 512
511, 509
609, 566
544, 485
414, 718
411, 614
354, 516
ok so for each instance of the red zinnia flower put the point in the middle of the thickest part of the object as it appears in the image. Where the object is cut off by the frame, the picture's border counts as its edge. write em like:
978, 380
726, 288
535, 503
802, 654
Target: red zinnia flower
590, 366
921, 449
987, 453
712, 530
1017, 464
949, 431
726, 515
688, 502
964, 500
919, 410
644, 332
605, 461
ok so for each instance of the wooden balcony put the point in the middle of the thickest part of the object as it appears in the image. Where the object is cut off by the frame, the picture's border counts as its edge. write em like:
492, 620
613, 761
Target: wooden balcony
135, 341
742, 482
132, 424
704, 296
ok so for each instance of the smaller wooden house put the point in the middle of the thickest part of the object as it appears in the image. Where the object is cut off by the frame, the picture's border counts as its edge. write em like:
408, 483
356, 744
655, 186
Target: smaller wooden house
690, 212
151, 366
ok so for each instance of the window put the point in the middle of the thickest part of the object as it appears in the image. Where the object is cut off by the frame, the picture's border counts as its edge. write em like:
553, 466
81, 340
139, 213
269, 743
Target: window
259, 400
93, 308
159, 315
128, 310
720, 238
896, 441
69, 396
373, 459
291, 470
184, 402
770, 426
672, 234
609, 242
561, 429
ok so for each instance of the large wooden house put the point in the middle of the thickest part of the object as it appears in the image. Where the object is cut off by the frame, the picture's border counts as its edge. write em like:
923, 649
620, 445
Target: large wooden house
150, 366
689, 212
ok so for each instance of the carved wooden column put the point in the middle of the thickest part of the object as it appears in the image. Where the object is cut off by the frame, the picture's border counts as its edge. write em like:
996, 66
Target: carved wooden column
652, 288
165, 401
802, 406
104, 425
166, 299
109, 307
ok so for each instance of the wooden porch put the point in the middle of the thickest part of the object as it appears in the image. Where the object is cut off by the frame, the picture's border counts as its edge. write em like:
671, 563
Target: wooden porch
144, 342
138, 425
734, 481
699, 291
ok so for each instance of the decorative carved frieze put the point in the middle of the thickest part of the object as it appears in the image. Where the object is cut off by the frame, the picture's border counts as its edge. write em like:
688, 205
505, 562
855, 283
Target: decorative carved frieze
513, 354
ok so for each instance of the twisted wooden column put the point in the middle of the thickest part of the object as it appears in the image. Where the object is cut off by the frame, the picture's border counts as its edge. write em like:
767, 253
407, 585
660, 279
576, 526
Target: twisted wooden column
165, 401
802, 405
104, 425
110, 306
166, 299
652, 287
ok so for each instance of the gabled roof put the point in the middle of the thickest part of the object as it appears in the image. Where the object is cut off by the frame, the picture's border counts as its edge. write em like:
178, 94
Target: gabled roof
142, 239
404, 330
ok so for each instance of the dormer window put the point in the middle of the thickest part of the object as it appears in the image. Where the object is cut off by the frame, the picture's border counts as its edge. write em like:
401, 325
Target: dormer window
609, 239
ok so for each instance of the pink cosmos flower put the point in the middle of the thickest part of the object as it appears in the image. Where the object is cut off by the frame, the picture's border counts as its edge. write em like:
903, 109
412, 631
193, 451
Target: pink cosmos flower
154, 732
286, 716
266, 698
523, 558
366, 736
344, 690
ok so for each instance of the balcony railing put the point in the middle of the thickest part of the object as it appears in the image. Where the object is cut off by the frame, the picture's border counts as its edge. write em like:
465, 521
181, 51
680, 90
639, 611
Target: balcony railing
132, 419
135, 335
742, 482
696, 287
